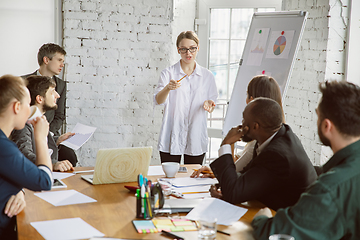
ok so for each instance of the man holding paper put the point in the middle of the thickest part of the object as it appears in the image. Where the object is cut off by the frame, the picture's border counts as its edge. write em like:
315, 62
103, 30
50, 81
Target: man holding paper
279, 171
43, 96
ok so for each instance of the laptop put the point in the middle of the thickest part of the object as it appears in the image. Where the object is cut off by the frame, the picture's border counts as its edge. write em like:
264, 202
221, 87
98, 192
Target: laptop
119, 165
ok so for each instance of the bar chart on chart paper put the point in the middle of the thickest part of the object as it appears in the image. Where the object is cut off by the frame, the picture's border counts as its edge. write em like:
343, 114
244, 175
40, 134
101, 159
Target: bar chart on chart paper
82, 134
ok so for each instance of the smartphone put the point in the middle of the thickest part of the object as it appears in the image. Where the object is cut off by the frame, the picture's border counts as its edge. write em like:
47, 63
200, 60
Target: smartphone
58, 184
182, 169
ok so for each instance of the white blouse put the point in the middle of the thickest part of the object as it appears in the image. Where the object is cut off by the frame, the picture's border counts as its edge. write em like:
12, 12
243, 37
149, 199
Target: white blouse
184, 127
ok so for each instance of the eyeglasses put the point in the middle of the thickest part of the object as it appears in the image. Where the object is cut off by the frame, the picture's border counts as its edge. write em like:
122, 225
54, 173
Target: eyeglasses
184, 50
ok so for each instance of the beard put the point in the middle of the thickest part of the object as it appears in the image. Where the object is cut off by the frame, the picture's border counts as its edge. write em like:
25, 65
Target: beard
246, 138
47, 107
323, 139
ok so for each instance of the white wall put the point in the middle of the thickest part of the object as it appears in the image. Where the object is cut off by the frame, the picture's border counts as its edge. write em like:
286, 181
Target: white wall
321, 57
116, 50
353, 49
24, 27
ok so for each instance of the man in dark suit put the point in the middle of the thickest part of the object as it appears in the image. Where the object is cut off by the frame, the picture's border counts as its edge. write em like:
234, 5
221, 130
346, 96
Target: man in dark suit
280, 169
51, 59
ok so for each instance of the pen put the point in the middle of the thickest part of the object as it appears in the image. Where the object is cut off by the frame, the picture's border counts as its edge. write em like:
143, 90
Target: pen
219, 231
181, 78
195, 192
173, 236
84, 171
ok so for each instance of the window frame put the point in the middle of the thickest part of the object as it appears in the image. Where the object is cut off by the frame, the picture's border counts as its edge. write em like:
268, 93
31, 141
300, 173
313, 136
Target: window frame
202, 27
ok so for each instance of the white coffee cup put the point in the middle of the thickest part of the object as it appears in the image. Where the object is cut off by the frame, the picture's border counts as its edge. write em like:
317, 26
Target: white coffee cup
170, 168
34, 113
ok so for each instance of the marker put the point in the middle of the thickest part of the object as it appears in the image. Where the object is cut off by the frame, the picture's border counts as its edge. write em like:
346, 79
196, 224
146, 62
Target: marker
171, 235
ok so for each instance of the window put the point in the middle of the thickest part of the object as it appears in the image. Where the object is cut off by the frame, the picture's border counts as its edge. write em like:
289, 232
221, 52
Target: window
225, 31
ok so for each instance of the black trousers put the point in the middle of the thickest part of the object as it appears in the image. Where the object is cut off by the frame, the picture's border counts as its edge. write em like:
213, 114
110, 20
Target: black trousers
66, 153
167, 157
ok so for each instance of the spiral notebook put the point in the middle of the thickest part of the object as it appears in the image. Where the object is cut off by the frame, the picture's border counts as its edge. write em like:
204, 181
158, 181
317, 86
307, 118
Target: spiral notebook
118, 165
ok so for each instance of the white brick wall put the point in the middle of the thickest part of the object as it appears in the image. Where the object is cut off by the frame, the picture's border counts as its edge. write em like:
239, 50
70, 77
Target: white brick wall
115, 52
321, 56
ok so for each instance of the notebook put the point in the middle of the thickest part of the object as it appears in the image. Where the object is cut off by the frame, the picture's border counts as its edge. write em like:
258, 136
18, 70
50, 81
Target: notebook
118, 165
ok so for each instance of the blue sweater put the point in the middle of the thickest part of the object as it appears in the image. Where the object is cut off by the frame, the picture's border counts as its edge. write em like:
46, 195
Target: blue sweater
17, 172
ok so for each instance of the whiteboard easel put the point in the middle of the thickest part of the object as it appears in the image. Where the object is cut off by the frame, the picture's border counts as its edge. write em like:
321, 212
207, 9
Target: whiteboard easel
271, 46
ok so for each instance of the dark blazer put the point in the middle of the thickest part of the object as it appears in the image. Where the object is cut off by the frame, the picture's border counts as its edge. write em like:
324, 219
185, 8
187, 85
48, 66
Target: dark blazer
25, 141
276, 177
56, 117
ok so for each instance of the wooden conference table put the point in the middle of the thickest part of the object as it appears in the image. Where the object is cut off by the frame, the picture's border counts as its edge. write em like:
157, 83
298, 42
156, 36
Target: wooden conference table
113, 212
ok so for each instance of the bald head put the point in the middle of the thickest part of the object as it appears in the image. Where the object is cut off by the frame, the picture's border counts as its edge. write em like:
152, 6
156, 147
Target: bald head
266, 112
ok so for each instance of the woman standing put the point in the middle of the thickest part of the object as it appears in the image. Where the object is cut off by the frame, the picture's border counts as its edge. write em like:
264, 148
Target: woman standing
188, 91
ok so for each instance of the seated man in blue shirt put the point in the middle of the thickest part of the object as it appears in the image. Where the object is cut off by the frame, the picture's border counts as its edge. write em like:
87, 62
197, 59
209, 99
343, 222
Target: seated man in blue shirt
17, 172
43, 96
330, 208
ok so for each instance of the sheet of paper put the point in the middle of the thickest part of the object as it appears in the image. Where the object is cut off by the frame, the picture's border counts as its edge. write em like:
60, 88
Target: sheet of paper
82, 135
197, 195
67, 197
192, 189
156, 171
60, 175
188, 181
182, 203
258, 45
211, 208
62, 229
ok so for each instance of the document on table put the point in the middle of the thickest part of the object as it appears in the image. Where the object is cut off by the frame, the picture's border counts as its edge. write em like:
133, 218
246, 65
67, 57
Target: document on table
211, 208
82, 135
66, 197
188, 181
62, 229
61, 175
155, 171
192, 189
197, 195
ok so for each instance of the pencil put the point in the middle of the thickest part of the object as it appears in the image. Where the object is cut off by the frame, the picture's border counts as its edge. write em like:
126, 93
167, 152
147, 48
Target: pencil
219, 231
181, 78
206, 171
195, 192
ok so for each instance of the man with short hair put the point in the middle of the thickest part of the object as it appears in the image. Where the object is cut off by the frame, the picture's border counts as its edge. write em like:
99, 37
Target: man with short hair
51, 59
330, 208
43, 96
280, 169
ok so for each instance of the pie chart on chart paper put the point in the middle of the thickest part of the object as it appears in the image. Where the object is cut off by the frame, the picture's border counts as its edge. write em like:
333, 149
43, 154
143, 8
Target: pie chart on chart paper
279, 45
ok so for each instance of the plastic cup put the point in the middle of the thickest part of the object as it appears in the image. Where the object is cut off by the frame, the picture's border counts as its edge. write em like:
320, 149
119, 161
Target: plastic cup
207, 230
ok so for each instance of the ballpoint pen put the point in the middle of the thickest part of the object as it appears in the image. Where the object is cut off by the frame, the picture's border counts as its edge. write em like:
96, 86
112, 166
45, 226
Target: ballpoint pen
219, 231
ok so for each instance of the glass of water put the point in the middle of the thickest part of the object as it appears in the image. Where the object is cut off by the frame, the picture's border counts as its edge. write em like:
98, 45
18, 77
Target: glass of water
281, 237
207, 230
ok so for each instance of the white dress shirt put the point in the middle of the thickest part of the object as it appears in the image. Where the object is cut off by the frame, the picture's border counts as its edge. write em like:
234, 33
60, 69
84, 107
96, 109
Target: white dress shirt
184, 126
248, 151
